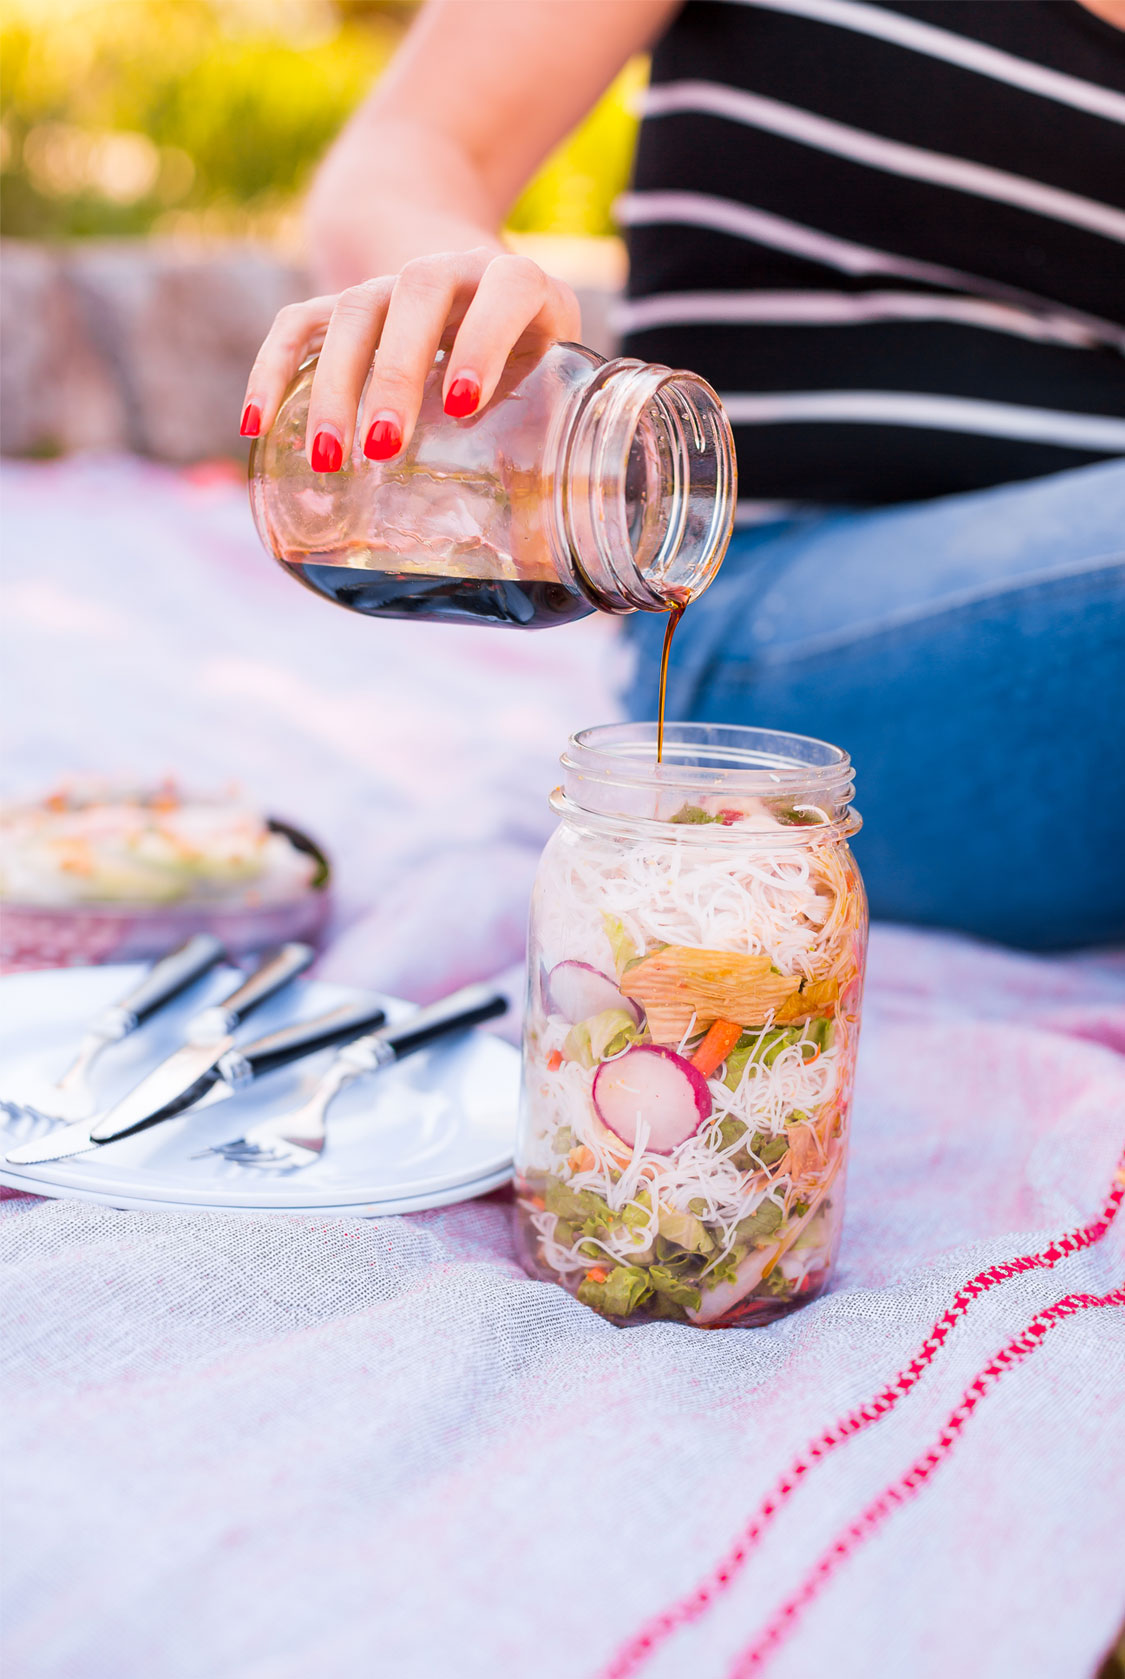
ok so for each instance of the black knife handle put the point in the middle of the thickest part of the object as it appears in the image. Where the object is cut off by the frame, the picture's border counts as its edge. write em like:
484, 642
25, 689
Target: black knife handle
291, 1043
275, 970
455, 1013
171, 975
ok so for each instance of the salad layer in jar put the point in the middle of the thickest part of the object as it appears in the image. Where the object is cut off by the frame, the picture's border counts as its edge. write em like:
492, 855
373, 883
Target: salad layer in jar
689, 1058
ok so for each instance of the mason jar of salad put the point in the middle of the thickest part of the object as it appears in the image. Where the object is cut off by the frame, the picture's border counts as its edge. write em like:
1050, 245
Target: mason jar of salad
696, 958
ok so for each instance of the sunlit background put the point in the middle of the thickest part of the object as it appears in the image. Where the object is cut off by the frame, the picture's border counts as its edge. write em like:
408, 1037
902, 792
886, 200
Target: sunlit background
204, 118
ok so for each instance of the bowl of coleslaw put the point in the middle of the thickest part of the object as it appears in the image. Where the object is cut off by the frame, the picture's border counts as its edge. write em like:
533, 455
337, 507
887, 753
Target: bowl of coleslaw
95, 872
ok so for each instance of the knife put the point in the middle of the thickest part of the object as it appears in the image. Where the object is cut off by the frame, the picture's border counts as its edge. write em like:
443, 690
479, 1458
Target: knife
200, 1074
71, 1097
273, 971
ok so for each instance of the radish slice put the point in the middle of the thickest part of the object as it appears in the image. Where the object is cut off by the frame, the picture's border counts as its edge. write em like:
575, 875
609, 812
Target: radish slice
577, 991
653, 1084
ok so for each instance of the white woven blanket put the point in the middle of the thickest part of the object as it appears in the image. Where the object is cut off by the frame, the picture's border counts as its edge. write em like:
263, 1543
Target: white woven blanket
281, 1448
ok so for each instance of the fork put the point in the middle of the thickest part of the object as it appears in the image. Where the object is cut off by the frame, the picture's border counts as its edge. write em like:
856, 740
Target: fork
297, 1138
72, 1095
72, 1098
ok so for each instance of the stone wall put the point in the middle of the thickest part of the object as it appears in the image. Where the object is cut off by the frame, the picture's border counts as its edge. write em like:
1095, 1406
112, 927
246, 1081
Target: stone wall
145, 345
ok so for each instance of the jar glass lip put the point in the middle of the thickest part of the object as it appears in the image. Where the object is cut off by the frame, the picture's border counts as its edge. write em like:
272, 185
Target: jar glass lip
716, 783
710, 757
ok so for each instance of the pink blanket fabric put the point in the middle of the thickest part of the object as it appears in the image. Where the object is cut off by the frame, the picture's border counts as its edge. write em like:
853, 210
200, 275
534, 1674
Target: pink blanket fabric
265, 1448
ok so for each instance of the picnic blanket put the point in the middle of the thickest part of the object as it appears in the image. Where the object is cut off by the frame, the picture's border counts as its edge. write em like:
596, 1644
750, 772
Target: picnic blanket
266, 1448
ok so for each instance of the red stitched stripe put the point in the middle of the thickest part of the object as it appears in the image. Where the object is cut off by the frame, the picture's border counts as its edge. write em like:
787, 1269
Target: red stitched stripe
633, 1654
1019, 1348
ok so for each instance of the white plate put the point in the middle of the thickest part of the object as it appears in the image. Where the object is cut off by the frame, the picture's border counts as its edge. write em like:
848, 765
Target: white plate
436, 1129
361, 1209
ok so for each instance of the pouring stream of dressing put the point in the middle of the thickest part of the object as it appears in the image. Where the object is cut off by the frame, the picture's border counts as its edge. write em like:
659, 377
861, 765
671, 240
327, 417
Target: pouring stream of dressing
675, 613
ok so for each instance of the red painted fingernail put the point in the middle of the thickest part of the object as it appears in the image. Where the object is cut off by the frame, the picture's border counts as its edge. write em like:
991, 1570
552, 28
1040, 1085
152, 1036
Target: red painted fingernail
251, 420
463, 397
383, 440
327, 452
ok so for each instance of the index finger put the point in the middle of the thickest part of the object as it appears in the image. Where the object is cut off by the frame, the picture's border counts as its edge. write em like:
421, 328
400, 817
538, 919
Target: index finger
297, 331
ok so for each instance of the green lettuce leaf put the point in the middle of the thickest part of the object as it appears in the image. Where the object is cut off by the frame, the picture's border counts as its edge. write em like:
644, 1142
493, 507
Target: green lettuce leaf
636, 1213
577, 1045
623, 947
731, 1131
821, 1031
777, 1284
674, 1258
663, 1306
763, 1222
671, 1287
769, 1150
693, 813
726, 1271
578, 1206
758, 1046
685, 1230
622, 1292
599, 1037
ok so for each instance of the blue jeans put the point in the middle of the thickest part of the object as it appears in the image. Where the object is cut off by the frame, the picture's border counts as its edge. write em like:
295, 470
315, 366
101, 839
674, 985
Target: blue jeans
970, 654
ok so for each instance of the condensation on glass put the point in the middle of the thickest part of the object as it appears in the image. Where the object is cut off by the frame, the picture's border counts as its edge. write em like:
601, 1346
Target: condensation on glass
582, 485
696, 959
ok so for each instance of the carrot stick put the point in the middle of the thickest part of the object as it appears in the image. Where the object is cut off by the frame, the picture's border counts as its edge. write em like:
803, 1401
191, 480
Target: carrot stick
716, 1046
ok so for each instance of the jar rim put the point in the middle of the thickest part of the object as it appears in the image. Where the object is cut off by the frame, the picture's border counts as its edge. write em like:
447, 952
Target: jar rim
592, 520
610, 767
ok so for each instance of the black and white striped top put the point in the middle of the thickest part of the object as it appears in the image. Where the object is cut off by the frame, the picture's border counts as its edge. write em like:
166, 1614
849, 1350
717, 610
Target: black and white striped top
892, 235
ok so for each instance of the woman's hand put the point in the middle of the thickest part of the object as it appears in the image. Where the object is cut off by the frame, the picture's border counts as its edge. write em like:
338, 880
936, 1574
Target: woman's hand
490, 297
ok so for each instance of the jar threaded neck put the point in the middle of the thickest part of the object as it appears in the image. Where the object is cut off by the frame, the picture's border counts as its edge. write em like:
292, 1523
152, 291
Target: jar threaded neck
641, 483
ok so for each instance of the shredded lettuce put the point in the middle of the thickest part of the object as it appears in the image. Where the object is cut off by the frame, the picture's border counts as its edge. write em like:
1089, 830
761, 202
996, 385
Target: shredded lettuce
578, 1206
685, 1230
674, 1288
623, 948
821, 1031
777, 1284
577, 1046
600, 1037
764, 1222
624, 1289
769, 1150
693, 813
637, 1213
761, 1149
726, 1271
764, 1047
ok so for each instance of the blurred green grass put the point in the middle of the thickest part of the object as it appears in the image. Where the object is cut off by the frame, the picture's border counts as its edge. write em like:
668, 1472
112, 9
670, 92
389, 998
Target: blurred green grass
206, 117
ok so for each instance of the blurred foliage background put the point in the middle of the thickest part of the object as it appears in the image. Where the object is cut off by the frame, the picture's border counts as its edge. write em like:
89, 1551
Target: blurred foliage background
204, 117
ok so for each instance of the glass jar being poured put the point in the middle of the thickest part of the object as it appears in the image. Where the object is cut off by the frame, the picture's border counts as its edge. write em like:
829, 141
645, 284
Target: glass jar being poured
696, 958
583, 485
